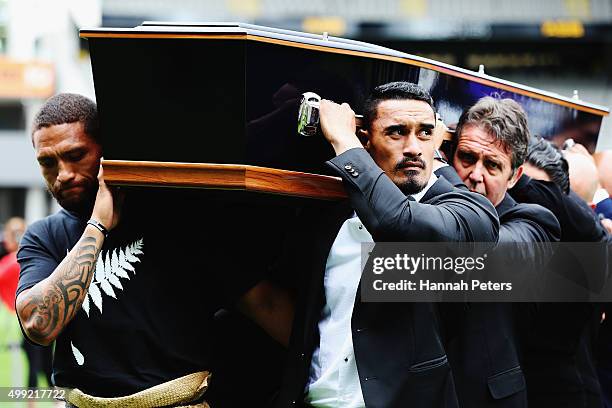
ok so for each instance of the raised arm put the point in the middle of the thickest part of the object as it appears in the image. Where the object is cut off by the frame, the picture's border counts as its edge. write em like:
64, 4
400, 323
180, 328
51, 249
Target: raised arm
386, 211
389, 215
46, 308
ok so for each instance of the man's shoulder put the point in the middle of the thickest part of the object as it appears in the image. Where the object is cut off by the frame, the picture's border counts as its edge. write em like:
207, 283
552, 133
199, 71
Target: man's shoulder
43, 246
443, 191
450, 174
539, 191
473, 212
62, 219
530, 210
533, 213
56, 230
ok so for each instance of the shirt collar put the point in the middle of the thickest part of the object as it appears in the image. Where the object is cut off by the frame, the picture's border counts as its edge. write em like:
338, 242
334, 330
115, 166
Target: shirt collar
432, 180
600, 195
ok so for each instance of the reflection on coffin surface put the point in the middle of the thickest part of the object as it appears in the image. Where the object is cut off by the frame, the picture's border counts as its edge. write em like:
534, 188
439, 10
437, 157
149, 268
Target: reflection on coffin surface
228, 93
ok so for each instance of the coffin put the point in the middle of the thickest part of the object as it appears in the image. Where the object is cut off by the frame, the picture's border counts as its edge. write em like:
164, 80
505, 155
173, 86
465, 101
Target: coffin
214, 105
209, 113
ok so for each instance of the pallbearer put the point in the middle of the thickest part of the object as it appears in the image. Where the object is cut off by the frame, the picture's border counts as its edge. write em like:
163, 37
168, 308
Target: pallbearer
484, 349
128, 291
349, 353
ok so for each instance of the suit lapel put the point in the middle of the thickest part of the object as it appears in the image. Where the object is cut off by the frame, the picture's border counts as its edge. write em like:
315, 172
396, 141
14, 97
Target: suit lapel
441, 186
506, 204
449, 173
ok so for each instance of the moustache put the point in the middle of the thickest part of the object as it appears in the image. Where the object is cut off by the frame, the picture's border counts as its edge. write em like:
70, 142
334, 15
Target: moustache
410, 162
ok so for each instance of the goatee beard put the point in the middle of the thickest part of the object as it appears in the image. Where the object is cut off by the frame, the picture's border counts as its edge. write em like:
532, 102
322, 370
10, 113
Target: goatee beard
411, 187
83, 207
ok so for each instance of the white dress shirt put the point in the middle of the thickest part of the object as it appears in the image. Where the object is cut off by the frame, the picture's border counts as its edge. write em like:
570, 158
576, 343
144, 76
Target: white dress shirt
334, 380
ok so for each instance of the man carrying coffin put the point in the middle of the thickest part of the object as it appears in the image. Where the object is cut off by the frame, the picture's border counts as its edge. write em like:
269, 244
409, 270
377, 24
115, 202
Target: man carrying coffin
346, 353
127, 309
559, 365
483, 344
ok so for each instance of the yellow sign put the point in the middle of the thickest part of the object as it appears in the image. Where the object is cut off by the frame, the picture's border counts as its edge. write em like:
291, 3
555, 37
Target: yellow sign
414, 8
247, 8
318, 25
26, 79
562, 29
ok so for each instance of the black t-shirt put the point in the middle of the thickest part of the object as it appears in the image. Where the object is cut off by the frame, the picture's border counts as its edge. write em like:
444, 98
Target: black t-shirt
160, 277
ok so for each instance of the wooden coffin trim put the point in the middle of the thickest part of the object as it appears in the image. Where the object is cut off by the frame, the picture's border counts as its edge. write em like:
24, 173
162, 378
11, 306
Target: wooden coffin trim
403, 60
222, 177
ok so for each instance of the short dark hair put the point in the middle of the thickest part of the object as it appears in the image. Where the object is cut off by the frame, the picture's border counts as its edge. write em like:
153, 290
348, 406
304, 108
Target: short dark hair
504, 119
69, 108
393, 90
546, 156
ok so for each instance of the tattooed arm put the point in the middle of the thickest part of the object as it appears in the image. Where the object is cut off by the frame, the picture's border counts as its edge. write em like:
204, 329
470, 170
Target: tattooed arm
46, 308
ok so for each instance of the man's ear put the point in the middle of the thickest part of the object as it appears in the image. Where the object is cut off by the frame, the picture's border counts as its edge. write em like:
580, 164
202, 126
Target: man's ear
364, 138
517, 175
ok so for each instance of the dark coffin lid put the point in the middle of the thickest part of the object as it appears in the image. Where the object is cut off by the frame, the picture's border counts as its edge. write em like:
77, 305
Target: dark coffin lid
227, 93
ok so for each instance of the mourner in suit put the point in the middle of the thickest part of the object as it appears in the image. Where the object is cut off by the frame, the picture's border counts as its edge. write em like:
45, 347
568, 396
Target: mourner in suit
558, 351
347, 353
483, 339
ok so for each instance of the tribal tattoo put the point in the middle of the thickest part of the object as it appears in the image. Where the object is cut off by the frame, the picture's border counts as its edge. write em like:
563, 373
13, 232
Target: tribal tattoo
49, 306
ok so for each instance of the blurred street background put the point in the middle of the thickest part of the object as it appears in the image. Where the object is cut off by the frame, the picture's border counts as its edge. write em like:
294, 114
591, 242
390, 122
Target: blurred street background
555, 45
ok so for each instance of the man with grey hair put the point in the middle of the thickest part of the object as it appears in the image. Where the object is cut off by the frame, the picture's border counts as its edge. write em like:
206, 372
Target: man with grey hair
483, 349
492, 146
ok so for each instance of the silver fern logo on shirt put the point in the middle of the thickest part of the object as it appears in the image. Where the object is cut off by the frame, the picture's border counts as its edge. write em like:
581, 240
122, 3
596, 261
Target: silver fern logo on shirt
112, 266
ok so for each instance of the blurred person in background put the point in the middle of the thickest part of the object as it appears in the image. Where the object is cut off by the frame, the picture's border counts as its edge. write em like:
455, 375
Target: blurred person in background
9, 268
596, 172
587, 180
39, 358
603, 199
584, 178
3, 251
603, 160
558, 353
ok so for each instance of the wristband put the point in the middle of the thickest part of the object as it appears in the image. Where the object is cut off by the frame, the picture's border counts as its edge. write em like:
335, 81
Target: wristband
99, 226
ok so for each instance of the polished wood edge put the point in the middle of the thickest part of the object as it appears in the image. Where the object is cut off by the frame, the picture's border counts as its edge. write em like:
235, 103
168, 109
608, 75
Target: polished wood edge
222, 177
403, 60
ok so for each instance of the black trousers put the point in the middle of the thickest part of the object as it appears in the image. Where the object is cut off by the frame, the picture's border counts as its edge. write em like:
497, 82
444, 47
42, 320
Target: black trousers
39, 361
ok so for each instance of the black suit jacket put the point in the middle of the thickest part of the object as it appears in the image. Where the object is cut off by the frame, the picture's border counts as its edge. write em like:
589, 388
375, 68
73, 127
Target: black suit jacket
483, 339
398, 348
558, 351
603, 355
578, 221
